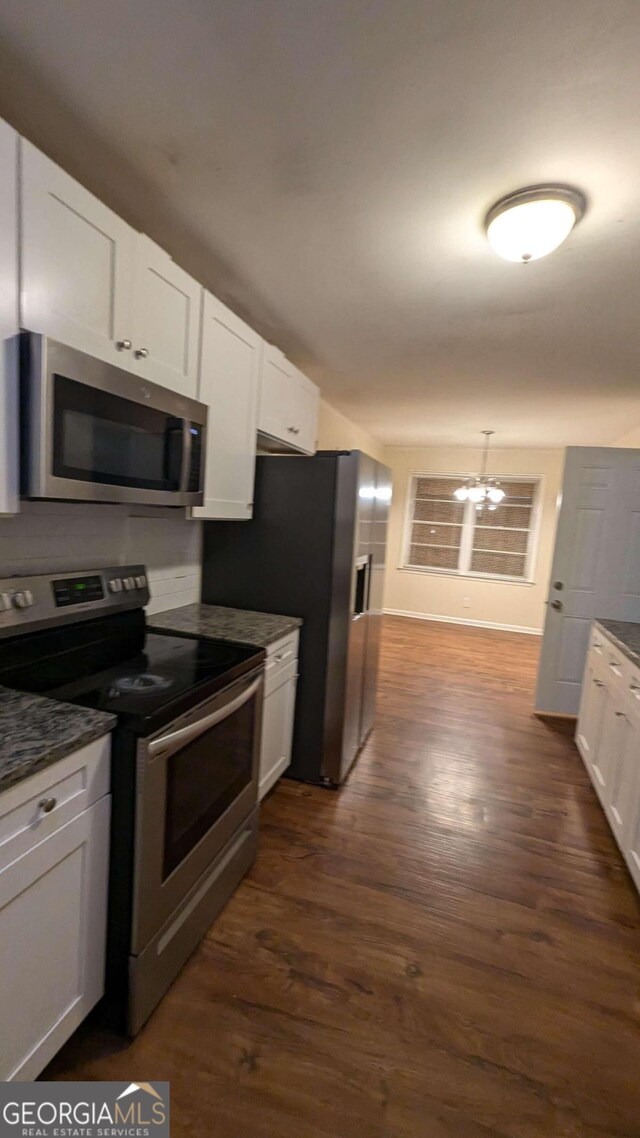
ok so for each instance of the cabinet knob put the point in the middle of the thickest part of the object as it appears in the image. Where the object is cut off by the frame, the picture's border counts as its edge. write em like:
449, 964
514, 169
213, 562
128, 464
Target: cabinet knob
123, 345
294, 430
557, 605
47, 805
558, 585
141, 353
621, 715
598, 683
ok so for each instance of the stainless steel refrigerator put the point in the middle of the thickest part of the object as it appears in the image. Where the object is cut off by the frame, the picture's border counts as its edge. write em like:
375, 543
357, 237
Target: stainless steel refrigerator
315, 548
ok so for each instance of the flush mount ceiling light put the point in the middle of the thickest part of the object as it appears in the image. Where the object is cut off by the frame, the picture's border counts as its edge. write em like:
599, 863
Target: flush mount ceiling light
533, 222
482, 491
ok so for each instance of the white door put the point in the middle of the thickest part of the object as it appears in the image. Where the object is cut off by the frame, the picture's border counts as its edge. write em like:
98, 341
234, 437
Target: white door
166, 320
77, 260
53, 908
596, 566
228, 383
276, 387
9, 320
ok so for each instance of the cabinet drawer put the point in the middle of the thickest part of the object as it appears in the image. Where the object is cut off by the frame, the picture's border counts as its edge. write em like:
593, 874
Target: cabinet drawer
282, 658
67, 787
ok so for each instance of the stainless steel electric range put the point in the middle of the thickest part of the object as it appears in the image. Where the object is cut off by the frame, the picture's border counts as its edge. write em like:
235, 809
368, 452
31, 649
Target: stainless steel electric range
184, 759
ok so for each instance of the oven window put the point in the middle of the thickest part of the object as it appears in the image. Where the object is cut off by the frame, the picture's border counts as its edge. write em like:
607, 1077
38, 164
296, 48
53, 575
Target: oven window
204, 778
98, 437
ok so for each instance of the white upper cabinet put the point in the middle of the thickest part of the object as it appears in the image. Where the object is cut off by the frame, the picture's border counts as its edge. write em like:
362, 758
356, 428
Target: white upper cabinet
166, 320
288, 405
229, 373
304, 412
77, 262
9, 320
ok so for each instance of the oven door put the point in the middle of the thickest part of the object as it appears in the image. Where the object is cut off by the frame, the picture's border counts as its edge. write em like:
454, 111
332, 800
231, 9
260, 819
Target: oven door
92, 431
197, 781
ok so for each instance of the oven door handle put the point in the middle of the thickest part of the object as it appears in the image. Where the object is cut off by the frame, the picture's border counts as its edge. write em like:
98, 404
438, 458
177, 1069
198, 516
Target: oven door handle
166, 745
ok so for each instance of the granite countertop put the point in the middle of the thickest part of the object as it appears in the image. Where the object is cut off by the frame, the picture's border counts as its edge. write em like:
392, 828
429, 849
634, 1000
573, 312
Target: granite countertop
221, 623
625, 634
35, 732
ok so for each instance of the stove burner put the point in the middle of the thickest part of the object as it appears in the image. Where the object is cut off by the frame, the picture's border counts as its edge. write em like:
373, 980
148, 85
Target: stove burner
140, 682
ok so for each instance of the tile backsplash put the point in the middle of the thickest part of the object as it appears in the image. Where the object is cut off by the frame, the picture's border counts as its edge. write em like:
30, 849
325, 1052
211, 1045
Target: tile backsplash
64, 536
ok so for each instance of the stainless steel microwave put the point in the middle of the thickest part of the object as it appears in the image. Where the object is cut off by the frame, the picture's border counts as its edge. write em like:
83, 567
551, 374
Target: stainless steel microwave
93, 432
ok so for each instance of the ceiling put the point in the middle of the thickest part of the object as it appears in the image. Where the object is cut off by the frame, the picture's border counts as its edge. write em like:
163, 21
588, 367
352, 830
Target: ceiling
326, 167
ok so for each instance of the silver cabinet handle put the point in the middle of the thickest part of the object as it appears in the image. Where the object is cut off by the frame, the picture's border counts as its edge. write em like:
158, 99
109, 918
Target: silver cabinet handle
141, 353
294, 430
123, 345
168, 744
615, 667
47, 805
598, 683
621, 715
634, 687
597, 646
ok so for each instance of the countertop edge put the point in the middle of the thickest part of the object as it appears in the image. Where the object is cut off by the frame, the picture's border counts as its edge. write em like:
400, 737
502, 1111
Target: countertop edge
36, 753
235, 624
631, 653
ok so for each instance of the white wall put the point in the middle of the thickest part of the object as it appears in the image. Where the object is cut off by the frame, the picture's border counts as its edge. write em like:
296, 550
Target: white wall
336, 432
631, 439
56, 536
442, 595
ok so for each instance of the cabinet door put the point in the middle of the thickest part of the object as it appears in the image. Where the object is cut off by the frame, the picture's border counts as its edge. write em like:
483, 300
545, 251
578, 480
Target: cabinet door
77, 261
590, 718
631, 833
9, 321
228, 384
277, 733
53, 907
304, 413
622, 772
275, 395
166, 320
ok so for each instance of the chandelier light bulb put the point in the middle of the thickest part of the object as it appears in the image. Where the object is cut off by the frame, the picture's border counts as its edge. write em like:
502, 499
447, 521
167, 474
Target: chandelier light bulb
461, 493
476, 493
495, 494
531, 223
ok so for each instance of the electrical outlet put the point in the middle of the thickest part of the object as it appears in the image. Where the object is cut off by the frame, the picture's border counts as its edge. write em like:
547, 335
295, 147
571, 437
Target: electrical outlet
466, 602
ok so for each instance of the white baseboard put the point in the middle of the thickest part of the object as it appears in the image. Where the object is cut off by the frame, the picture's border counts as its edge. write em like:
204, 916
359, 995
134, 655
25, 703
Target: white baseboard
465, 620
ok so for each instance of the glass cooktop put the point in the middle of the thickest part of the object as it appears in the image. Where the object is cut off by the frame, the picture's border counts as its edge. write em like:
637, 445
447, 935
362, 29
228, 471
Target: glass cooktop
115, 664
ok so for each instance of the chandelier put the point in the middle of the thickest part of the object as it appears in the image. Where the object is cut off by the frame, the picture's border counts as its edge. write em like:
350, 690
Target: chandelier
482, 491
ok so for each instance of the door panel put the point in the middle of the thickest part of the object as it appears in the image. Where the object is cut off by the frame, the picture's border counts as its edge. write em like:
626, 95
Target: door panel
166, 319
77, 261
228, 384
595, 560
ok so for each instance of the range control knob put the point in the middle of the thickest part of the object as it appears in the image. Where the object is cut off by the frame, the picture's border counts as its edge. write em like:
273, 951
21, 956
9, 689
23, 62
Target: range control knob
128, 582
23, 600
141, 581
115, 585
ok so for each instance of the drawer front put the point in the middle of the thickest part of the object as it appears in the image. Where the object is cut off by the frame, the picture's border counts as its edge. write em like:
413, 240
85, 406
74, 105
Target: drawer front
280, 659
42, 803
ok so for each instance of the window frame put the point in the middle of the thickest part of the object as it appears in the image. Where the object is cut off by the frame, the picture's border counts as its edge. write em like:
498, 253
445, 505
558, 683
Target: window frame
468, 530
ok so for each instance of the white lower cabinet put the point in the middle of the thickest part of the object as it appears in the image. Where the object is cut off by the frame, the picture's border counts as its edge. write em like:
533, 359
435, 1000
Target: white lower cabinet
53, 906
608, 738
281, 675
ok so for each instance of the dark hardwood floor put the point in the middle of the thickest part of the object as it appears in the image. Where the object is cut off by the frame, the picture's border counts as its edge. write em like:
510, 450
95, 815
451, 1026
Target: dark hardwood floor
449, 947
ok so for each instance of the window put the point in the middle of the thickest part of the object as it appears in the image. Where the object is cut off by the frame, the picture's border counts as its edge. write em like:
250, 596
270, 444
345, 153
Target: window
447, 536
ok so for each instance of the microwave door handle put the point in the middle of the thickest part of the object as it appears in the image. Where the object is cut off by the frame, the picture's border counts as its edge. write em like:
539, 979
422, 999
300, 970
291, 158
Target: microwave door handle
168, 744
187, 442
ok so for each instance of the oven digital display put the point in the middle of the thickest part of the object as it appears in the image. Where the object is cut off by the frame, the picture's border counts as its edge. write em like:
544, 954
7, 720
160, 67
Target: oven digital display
78, 590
